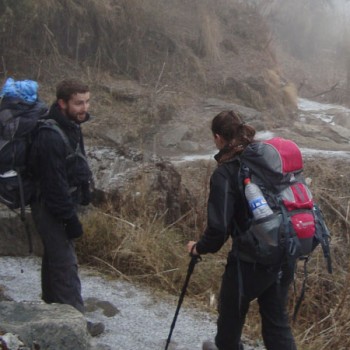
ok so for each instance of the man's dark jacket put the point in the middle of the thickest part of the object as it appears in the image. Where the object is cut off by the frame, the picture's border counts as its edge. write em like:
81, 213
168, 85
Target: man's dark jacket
60, 178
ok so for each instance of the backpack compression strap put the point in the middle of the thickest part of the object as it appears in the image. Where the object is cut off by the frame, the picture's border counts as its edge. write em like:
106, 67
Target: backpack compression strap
23, 214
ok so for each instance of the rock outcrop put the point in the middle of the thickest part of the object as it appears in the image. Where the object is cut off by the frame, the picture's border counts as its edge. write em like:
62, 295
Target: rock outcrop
127, 178
42, 326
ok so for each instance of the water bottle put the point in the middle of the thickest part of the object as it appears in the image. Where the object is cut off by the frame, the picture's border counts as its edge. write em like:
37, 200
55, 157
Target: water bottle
256, 200
266, 230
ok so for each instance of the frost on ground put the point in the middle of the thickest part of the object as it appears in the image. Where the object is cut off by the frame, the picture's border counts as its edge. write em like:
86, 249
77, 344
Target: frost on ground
134, 318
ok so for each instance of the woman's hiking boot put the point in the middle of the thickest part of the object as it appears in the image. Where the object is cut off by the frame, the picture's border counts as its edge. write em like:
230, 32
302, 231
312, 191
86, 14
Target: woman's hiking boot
209, 345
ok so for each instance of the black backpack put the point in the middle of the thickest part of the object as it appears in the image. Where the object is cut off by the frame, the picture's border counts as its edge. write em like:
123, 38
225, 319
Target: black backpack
18, 121
20, 110
19, 116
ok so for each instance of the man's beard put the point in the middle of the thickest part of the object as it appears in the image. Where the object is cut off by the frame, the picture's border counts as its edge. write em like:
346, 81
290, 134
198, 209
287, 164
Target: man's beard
76, 117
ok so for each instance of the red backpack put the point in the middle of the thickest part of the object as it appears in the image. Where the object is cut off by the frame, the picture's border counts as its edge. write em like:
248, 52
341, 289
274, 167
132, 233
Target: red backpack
297, 225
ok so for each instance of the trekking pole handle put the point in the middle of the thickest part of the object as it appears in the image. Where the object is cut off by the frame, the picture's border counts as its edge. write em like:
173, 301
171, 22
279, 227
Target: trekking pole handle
192, 249
194, 257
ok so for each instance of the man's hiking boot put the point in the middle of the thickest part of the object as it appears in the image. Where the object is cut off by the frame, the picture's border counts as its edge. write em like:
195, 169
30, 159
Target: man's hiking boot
209, 345
95, 329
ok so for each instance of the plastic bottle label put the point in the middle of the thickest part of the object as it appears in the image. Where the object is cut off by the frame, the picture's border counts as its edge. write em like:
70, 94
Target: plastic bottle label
257, 203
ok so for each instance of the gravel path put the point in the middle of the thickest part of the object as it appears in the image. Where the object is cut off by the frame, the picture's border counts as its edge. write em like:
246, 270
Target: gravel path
134, 318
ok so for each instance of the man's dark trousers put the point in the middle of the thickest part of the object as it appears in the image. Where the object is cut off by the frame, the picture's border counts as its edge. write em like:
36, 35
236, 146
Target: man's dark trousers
60, 281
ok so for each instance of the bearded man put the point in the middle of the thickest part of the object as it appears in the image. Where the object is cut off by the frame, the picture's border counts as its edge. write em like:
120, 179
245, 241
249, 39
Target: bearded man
58, 164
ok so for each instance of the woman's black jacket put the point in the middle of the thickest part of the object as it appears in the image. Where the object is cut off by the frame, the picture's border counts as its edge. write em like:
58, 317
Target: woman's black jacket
226, 208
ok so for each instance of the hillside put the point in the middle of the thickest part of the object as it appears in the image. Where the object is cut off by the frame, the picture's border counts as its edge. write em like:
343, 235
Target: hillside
148, 63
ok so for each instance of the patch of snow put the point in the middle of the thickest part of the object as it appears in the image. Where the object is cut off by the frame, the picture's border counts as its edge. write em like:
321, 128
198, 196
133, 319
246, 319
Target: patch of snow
309, 105
323, 111
264, 135
309, 152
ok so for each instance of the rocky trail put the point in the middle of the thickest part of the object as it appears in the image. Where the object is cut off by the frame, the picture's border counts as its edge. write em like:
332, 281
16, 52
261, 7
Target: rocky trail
134, 318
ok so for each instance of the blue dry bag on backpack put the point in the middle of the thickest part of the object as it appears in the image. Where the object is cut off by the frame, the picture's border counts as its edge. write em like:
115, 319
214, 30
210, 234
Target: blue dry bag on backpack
20, 110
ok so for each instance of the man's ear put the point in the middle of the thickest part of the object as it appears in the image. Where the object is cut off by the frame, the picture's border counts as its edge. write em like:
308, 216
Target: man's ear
62, 104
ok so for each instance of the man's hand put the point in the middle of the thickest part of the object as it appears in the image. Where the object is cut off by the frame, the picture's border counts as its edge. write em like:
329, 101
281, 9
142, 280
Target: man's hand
85, 198
73, 227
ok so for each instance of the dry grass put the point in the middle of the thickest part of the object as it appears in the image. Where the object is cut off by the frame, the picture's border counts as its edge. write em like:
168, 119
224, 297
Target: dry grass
146, 250
210, 36
290, 96
134, 240
324, 315
145, 253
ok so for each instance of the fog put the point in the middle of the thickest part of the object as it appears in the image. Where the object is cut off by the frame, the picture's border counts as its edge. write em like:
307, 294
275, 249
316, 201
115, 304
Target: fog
309, 27
316, 32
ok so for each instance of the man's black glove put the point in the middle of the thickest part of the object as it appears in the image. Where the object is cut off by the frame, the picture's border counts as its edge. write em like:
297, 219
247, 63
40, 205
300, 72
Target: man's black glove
73, 227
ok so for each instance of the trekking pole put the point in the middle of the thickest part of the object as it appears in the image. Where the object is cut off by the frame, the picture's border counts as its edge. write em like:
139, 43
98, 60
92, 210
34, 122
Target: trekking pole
193, 262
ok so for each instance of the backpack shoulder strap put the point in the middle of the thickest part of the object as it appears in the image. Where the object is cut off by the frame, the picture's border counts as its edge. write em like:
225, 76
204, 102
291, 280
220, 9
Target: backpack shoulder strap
53, 125
239, 182
323, 236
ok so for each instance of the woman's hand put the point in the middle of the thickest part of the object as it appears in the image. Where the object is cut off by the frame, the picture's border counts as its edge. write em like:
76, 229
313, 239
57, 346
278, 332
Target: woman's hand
191, 247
